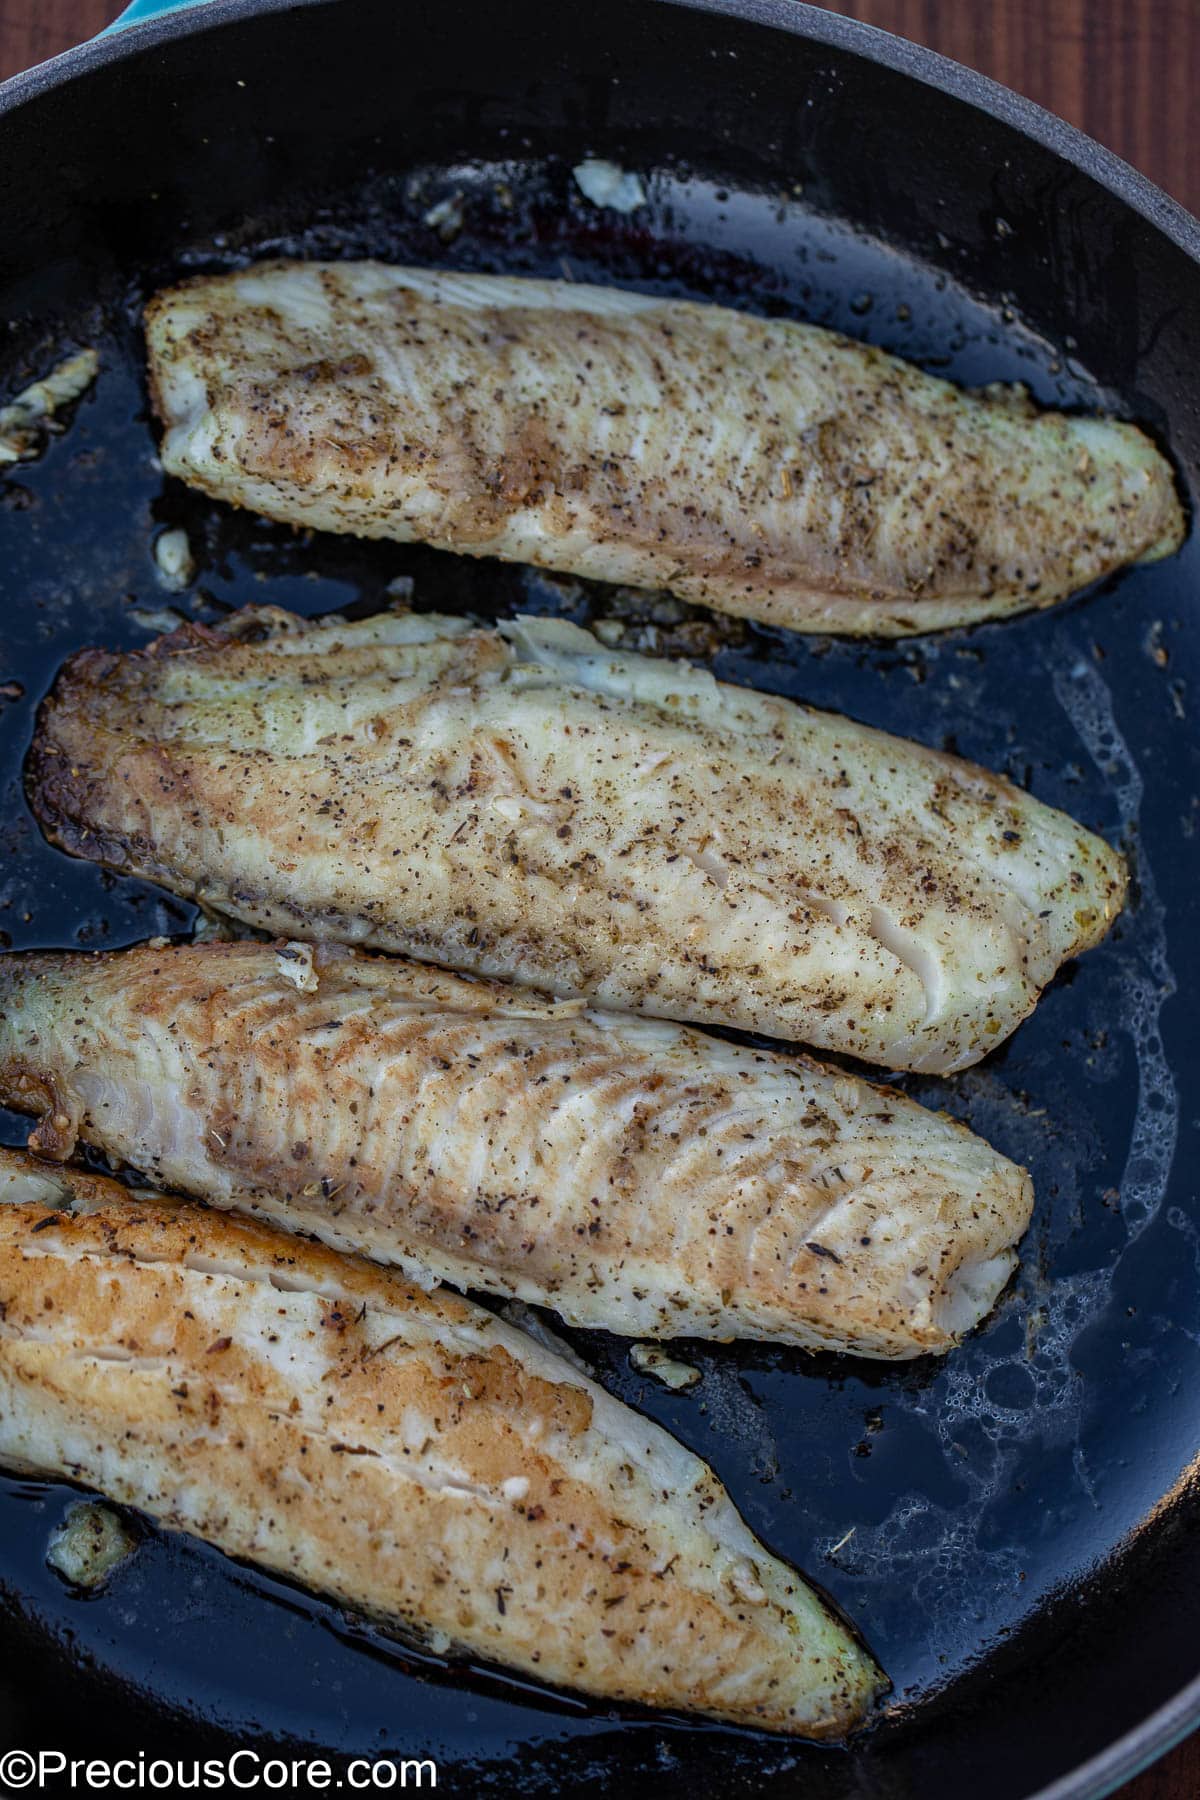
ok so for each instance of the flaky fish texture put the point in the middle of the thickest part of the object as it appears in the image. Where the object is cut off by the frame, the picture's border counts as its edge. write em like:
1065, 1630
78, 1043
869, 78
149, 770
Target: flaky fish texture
632, 1174
404, 1452
763, 467
523, 803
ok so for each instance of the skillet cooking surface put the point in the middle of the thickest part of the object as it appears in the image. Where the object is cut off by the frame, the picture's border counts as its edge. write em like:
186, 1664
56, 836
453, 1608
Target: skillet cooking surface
943, 1504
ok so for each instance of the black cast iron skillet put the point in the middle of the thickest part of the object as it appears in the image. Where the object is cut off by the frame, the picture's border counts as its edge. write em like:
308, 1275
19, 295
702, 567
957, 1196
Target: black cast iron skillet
1020, 1553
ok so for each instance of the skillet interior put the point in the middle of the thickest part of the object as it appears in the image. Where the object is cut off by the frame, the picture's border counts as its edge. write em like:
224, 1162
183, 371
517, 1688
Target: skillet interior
784, 175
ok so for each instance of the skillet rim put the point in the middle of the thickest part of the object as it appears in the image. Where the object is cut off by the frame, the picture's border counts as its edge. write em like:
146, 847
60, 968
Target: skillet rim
1128, 1755
796, 17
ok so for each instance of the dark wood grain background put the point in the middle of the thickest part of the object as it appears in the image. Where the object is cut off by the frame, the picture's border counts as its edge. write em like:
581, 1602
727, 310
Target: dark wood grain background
1127, 71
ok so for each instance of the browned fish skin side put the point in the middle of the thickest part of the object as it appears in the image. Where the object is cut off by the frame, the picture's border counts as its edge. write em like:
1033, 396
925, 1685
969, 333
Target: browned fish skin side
765, 468
404, 1452
632, 1174
525, 804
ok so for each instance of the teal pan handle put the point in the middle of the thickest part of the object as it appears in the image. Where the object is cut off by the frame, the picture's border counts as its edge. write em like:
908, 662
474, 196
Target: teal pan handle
148, 9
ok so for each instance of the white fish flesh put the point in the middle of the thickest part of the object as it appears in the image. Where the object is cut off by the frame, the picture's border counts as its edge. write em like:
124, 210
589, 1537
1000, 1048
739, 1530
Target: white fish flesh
525, 804
632, 1174
405, 1453
762, 467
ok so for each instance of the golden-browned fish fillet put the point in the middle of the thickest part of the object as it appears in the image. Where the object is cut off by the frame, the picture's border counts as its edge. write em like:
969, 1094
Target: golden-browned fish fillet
523, 803
760, 466
404, 1452
632, 1174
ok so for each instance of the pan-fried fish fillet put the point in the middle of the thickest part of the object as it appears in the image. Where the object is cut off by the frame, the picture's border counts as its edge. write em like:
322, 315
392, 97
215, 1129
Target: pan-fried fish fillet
632, 1174
404, 1452
525, 804
763, 467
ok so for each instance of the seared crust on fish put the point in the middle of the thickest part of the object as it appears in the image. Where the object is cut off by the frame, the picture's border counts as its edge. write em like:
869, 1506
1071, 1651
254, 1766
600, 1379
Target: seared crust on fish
632, 1174
524, 804
763, 467
403, 1452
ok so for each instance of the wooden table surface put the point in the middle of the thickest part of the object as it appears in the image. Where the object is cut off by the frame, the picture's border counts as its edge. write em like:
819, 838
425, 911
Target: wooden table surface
1127, 71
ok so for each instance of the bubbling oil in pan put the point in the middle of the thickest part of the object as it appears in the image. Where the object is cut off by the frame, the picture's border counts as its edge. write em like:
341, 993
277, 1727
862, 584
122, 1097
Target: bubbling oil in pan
941, 1503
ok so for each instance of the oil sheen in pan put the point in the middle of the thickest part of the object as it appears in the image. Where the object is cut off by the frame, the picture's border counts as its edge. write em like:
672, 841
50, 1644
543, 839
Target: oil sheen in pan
941, 1505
